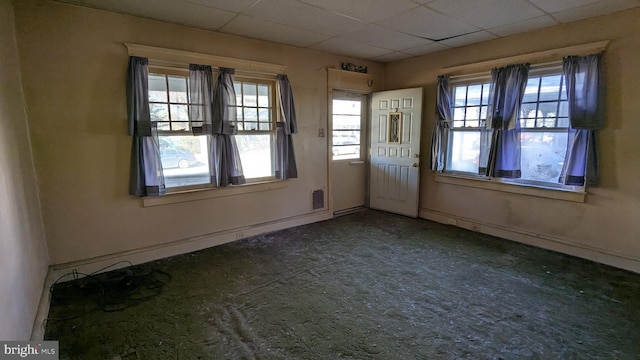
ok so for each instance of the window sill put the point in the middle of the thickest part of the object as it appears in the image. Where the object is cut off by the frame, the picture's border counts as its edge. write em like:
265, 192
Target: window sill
212, 193
576, 195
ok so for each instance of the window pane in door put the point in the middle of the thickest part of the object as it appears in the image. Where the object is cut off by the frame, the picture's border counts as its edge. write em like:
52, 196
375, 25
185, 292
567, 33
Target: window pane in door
347, 120
347, 107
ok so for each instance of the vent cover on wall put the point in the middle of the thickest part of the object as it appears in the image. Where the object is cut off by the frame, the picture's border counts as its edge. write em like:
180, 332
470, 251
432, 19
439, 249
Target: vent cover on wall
318, 199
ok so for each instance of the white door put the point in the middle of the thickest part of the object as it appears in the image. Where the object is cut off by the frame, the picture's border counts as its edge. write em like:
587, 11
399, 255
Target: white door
395, 151
348, 146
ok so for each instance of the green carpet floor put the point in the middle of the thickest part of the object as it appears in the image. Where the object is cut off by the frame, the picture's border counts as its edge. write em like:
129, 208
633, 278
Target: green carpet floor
369, 285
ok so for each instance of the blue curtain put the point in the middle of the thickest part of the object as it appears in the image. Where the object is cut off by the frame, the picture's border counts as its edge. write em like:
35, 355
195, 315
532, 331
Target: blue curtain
285, 157
500, 140
583, 77
200, 97
441, 126
146, 175
224, 158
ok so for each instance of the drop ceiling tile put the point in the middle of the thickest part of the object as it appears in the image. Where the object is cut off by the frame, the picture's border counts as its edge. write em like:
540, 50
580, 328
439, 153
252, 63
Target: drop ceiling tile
463, 40
381, 37
401, 26
596, 9
302, 16
524, 26
122, 6
233, 6
264, 30
425, 49
552, 6
427, 23
393, 56
349, 48
364, 10
168, 10
487, 14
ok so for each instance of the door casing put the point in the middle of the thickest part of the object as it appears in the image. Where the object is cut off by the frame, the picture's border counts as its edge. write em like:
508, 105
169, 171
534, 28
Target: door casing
350, 180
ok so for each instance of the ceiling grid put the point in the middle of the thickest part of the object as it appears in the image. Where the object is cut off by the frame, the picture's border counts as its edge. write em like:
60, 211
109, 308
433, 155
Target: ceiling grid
377, 30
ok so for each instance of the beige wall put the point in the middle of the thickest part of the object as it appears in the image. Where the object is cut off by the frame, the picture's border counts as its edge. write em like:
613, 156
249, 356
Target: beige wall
607, 226
23, 251
73, 69
74, 65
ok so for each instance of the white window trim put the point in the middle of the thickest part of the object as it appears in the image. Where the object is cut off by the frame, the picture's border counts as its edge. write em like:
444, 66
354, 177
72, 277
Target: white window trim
174, 60
178, 58
476, 71
275, 115
566, 193
540, 57
517, 186
213, 192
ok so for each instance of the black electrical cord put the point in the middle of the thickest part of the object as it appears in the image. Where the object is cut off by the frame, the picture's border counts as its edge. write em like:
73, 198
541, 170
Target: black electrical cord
113, 291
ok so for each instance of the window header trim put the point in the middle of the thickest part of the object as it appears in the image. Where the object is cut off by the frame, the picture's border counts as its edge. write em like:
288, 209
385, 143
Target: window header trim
540, 57
179, 58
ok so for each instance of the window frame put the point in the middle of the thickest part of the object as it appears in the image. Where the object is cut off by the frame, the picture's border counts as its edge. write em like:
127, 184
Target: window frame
158, 70
274, 118
466, 81
274, 115
485, 78
358, 154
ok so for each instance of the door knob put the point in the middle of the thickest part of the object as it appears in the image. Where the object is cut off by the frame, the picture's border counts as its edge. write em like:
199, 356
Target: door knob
414, 164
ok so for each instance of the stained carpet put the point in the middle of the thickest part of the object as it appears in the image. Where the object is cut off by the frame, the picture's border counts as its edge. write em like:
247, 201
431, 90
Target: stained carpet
364, 286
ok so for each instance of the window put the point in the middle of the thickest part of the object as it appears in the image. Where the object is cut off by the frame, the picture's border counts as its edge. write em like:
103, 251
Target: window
469, 114
543, 121
256, 126
185, 157
347, 120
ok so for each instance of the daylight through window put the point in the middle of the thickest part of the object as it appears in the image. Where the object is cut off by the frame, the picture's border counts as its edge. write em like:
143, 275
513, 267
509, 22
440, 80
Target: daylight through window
185, 157
347, 119
543, 121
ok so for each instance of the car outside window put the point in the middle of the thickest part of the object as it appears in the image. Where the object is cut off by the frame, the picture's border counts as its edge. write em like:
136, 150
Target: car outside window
185, 157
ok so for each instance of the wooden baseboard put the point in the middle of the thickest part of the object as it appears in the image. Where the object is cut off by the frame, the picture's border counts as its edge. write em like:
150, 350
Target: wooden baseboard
139, 256
183, 246
604, 256
39, 323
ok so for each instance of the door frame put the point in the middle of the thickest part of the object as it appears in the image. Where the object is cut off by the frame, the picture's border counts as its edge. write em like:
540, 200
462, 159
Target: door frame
342, 80
364, 138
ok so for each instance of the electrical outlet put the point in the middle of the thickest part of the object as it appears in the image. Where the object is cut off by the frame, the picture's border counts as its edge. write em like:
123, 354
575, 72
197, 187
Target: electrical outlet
321, 132
239, 235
